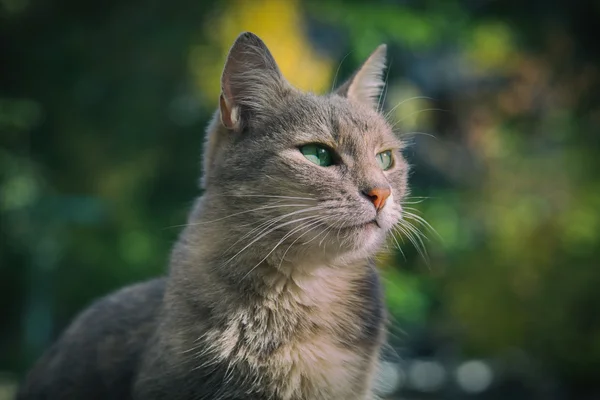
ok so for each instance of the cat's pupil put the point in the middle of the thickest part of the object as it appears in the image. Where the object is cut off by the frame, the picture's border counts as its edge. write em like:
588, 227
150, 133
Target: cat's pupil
317, 154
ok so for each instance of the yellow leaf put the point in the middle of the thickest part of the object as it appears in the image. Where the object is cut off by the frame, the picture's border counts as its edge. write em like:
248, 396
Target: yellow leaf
281, 26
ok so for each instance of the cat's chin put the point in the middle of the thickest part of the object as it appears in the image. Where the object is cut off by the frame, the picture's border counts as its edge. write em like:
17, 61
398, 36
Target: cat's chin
365, 238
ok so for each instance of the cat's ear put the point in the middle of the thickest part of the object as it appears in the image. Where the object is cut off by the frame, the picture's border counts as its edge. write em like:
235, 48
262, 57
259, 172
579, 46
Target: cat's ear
250, 83
366, 84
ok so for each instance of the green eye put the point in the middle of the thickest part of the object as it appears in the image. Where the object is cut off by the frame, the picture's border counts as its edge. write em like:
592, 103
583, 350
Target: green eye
385, 160
317, 154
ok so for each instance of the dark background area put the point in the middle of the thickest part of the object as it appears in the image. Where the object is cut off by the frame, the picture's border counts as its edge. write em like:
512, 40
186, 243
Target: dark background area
102, 113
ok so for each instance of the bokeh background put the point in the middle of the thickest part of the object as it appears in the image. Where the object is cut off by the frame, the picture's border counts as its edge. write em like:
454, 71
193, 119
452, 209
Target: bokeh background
102, 111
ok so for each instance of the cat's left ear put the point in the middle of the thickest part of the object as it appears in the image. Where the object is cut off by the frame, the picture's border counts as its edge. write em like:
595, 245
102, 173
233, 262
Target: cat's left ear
251, 82
366, 84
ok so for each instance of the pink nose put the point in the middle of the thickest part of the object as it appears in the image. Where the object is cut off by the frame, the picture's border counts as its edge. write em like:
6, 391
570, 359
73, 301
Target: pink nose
378, 196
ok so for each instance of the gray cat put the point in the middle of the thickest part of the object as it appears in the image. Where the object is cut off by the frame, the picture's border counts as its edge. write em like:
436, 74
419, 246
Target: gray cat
271, 292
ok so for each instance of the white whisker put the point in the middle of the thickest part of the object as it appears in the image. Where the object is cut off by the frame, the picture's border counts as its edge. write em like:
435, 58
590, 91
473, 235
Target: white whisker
417, 113
419, 133
418, 244
315, 225
338, 71
387, 114
267, 224
269, 196
264, 234
398, 246
421, 221
290, 233
240, 213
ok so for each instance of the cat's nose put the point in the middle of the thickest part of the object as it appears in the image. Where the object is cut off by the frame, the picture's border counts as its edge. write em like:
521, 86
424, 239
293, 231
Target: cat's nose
378, 196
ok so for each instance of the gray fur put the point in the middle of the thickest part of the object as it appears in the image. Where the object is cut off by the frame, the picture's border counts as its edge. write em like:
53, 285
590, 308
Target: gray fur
271, 292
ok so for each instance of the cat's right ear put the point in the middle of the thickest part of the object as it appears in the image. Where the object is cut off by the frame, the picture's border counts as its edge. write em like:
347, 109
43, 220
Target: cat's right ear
366, 84
250, 83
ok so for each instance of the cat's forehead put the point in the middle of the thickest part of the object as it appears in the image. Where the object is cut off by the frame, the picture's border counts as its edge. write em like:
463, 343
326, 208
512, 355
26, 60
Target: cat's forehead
349, 119
338, 121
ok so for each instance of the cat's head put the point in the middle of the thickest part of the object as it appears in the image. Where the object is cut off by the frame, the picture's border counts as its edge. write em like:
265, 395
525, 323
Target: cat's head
301, 173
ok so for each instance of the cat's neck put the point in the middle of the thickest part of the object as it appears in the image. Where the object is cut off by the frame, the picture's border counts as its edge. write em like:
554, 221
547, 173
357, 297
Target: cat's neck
308, 282
290, 295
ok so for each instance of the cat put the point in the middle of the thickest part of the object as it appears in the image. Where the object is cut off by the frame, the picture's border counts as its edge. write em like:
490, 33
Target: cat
272, 292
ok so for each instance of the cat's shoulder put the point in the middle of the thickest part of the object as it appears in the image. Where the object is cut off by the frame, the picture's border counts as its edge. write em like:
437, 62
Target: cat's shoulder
102, 344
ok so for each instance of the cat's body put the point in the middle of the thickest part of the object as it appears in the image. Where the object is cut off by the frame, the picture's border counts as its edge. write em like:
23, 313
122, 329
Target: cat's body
271, 292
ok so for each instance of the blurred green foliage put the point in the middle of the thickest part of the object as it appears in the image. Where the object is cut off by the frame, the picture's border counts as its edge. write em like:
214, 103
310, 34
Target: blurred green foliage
102, 112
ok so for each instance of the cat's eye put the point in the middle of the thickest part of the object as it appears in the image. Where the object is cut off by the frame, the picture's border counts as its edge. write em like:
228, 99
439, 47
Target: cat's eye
385, 160
317, 154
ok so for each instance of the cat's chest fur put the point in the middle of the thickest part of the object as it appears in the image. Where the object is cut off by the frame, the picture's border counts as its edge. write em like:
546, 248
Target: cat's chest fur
306, 336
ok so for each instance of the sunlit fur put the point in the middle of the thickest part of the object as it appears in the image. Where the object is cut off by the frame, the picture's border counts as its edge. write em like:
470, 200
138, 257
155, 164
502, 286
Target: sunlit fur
272, 292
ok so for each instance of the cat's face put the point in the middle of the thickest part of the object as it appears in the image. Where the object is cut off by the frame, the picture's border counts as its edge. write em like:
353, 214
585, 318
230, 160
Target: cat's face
314, 175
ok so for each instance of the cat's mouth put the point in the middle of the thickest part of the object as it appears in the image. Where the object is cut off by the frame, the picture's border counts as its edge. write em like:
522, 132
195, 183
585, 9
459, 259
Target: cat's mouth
374, 222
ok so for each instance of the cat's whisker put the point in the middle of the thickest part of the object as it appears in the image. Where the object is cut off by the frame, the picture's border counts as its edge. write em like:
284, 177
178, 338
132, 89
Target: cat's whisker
338, 71
417, 113
323, 231
419, 197
422, 221
331, 228
269, 196
417, 240
395, 331
267, 224
322, 241
320, 233
413, 202
239, 213
398, 246
389, 113
419, 235
399, 230
339, 228
315, 224
412, 211
290, 233
418, 133
419, 246
264, 234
